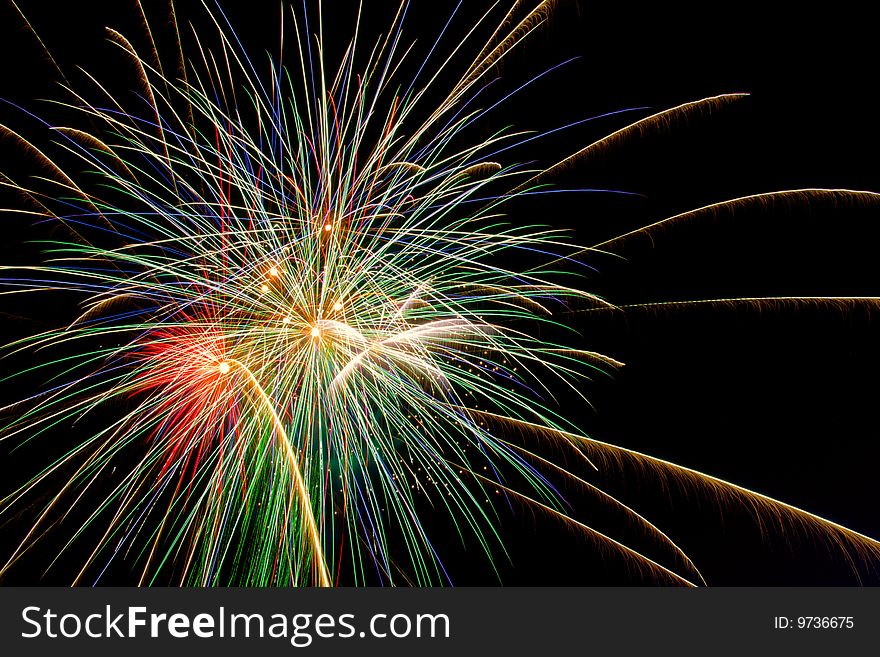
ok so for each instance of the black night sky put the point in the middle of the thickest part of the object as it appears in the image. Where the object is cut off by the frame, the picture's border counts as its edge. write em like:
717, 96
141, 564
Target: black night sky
779, 399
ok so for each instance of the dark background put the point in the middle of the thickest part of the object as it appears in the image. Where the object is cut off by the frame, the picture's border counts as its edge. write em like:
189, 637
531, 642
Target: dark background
781, 399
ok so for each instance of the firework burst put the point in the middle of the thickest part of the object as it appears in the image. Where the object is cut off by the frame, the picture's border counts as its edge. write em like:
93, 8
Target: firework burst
298, 314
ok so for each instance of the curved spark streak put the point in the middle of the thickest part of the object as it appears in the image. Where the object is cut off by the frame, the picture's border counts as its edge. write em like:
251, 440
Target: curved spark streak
659, 118
789, 194
302, 493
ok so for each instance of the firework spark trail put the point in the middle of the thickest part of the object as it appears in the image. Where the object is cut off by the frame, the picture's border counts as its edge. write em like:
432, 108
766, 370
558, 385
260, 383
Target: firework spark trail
301, 323
302, 494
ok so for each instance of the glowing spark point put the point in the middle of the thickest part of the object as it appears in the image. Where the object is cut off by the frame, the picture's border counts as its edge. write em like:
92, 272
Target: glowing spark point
224, 368
264, 289
316, 332
286, 320
328, 227
337, 306
273, 272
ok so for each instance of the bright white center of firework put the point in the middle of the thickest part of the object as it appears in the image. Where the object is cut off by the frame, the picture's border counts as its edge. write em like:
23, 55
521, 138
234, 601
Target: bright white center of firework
337, 306
286, 320
273, 272
328, 227
265, 289
224, 368
316, 332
